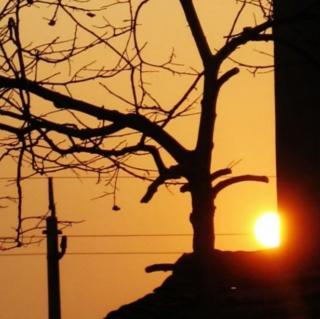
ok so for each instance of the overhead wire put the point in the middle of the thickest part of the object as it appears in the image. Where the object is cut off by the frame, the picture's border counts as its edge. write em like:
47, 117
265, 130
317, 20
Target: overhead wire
107, 235
5, 254
128, 235
98, 253
78, 177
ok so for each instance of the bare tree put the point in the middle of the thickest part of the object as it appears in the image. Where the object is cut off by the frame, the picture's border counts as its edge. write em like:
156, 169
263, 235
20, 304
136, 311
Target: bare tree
48, 123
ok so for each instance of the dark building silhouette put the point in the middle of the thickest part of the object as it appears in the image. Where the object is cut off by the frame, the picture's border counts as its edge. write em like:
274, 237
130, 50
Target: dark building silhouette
250, 285
297, 89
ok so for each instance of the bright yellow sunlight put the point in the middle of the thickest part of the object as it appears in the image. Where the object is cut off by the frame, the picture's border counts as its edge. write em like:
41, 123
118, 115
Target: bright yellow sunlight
267, 229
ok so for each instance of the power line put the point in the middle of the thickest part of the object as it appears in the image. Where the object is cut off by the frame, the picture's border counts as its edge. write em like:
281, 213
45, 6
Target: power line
147, 235
126, 235
98, 253
8, 178
115, 252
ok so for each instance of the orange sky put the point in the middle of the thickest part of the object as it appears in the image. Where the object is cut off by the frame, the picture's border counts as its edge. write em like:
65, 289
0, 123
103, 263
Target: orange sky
94, 284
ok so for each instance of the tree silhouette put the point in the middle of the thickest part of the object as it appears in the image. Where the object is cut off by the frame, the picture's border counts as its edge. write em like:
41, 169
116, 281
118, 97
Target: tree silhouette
48, 123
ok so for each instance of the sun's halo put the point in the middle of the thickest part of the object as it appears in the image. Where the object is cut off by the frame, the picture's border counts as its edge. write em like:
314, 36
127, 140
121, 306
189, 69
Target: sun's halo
267, 229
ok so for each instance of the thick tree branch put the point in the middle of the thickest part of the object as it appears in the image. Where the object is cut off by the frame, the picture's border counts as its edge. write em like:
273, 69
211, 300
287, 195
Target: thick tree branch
66, 129
95, 149
248, 34
215, 175
220, 173
237, 179
196, 29
156, 156
160, 267
10, 129
133, 121
227, 75
173, 172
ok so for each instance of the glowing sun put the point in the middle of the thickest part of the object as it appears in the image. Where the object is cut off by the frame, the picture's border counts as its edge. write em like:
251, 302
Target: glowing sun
267, 229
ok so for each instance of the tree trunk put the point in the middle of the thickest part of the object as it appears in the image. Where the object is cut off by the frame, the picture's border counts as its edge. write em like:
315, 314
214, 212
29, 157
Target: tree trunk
202, 216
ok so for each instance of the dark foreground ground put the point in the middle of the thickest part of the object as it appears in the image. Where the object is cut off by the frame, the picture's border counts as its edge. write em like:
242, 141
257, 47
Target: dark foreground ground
246, 285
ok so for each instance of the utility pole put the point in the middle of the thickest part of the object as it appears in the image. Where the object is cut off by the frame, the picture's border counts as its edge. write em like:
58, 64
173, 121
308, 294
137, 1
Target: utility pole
53, 256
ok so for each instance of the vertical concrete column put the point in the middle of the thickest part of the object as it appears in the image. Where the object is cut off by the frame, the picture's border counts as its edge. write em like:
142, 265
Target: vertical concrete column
297, 91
